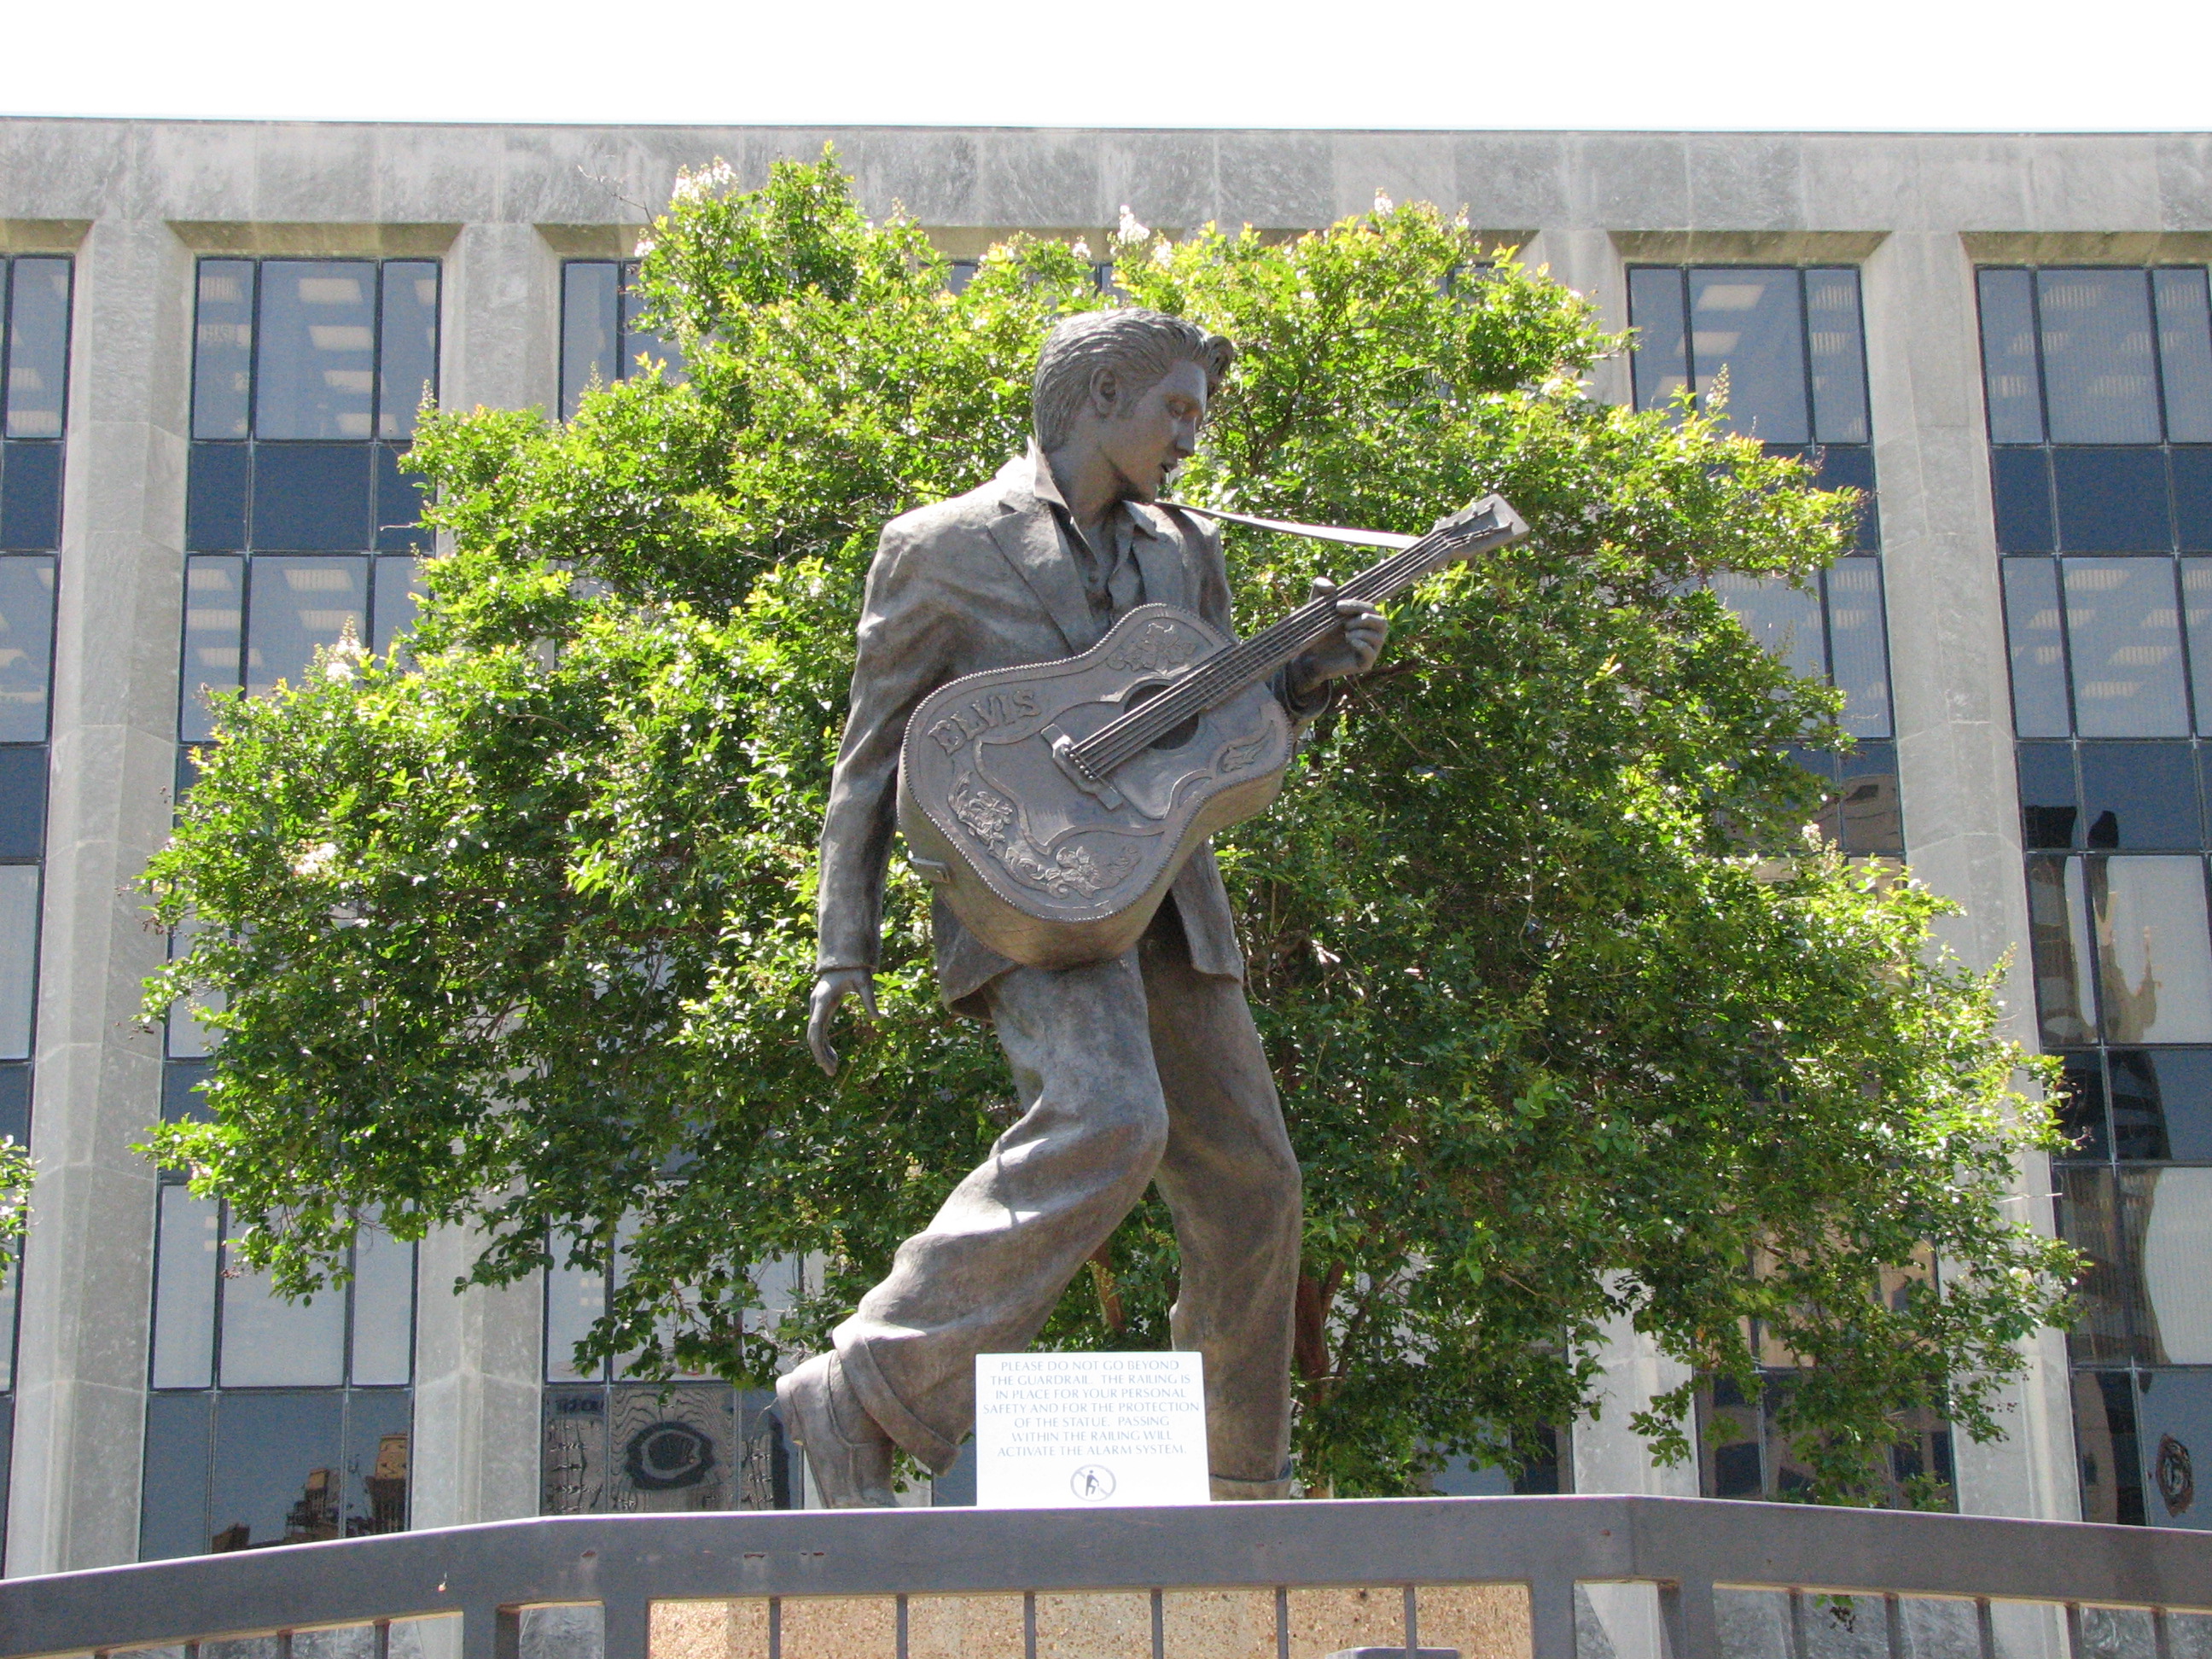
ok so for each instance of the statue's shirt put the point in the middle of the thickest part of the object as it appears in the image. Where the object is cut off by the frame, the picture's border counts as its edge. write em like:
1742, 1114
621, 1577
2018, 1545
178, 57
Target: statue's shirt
1113, 580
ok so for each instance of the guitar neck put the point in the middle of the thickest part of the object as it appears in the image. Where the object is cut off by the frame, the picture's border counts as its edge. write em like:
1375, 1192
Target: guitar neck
1223, 675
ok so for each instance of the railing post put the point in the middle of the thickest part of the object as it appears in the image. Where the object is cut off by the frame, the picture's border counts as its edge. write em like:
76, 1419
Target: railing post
1687, 1619
1552, 1619
492, 1632
626, 1626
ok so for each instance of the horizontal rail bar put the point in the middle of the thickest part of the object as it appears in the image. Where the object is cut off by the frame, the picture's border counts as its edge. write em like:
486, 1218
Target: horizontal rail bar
626, 1561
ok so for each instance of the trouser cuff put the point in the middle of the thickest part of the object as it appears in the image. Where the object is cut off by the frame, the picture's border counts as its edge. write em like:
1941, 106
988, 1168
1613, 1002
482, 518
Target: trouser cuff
881, 1401
1227, 1490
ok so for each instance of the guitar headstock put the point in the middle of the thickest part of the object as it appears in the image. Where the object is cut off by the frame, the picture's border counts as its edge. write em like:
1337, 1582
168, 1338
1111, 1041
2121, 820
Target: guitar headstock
1487, 522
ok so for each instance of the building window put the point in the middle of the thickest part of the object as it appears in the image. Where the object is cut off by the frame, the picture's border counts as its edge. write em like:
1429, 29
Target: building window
2099, 389
1752, 1458
1781, 351
269, 1421
35, 335
303, 523
600, 339
617, 1447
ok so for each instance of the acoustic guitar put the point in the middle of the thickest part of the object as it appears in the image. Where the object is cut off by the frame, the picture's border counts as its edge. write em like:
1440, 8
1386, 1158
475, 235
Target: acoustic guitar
1054, 804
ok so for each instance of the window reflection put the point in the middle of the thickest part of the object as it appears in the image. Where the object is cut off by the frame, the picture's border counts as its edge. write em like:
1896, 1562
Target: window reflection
1785, 620
215, 625
2154, 951
268, 1342
223, 349
2122, 624
271, 1422
2169, 1215
300, 606
184, 1275
276, 1470
2099, 383
2058, 949
19, 957
2140, 795
2035, 629
603, 338
2173, 1429
2184, 350
1747, 331
1858, 644
38, 304
2011, 375
27, 632
407, 346
317, 373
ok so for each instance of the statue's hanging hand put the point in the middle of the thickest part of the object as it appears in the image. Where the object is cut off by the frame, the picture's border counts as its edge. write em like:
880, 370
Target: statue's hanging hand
831, 987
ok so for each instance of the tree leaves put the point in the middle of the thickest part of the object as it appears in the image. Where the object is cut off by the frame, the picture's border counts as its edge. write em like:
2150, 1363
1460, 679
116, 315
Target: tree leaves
519, 937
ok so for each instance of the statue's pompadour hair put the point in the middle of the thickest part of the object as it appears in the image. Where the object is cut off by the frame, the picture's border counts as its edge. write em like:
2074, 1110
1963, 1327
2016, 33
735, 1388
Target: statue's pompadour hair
1139, 346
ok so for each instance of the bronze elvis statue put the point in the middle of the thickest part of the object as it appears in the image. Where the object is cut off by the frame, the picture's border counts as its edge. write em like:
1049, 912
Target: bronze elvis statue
1142, 1067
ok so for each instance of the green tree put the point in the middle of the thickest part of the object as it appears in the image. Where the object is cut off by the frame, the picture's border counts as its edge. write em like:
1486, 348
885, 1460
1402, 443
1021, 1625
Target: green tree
516, 932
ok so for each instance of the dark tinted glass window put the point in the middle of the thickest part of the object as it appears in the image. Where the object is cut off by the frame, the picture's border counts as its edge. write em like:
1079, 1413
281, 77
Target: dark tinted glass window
2036, 628
2011, 370
1747, 332
603, 337
38, 308
316, 372
407, 355
2049, 803
26, 638
2140, 795
1789, 345
223, 351
300, 606
2100, 396
30, 497
312, 497
2101, 383
2112, 501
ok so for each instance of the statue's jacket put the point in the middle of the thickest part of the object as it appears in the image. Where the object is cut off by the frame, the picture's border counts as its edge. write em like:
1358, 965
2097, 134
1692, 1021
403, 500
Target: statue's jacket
987, 580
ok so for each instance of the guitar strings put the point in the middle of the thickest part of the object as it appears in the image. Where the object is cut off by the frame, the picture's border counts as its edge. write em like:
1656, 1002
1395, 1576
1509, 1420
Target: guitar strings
1231, 670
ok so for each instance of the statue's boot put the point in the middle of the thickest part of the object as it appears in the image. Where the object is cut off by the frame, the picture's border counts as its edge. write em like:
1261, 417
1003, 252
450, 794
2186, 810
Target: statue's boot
850, 1455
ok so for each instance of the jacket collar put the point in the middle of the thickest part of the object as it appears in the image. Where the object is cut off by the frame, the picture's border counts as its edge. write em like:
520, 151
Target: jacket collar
1028, 533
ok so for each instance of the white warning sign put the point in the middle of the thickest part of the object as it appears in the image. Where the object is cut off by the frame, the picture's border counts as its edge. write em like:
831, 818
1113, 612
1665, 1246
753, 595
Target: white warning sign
1088, 1431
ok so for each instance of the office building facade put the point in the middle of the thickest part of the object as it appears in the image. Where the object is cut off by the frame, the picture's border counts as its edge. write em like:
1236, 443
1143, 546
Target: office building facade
216, 337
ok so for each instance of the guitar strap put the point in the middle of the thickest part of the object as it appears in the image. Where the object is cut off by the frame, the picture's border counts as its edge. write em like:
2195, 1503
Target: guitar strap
1319, 532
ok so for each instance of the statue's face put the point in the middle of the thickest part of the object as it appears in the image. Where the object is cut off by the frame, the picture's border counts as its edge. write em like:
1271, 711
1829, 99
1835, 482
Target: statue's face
1149, 435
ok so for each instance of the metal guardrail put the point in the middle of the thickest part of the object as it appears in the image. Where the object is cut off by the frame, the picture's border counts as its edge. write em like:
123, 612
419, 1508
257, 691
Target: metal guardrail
489, 1574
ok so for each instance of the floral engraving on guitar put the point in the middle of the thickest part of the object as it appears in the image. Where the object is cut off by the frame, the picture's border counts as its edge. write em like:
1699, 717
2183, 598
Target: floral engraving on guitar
1071, 873
1238, 755
1157, 646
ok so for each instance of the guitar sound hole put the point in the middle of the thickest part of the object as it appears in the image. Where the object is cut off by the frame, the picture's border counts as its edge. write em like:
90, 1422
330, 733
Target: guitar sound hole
1174, 738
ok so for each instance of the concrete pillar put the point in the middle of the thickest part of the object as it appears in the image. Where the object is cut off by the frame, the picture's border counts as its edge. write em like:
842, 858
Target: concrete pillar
1948, 670
87, 1266
477, 1354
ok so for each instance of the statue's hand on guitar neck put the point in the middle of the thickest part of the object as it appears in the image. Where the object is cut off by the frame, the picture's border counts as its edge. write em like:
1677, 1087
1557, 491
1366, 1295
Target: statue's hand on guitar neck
831, 986
1347, 654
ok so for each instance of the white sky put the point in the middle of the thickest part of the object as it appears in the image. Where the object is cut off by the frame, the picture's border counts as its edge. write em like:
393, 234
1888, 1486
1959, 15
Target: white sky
1866, 64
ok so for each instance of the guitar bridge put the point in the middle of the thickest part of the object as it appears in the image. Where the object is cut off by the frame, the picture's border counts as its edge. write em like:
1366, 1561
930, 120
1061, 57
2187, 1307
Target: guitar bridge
1063, 754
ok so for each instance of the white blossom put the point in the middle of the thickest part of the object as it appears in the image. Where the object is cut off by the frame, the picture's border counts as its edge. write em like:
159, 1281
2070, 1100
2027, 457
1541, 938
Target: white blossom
317, 862
345, 660
691, 184
1081, 248
1133, 230
1383, 205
